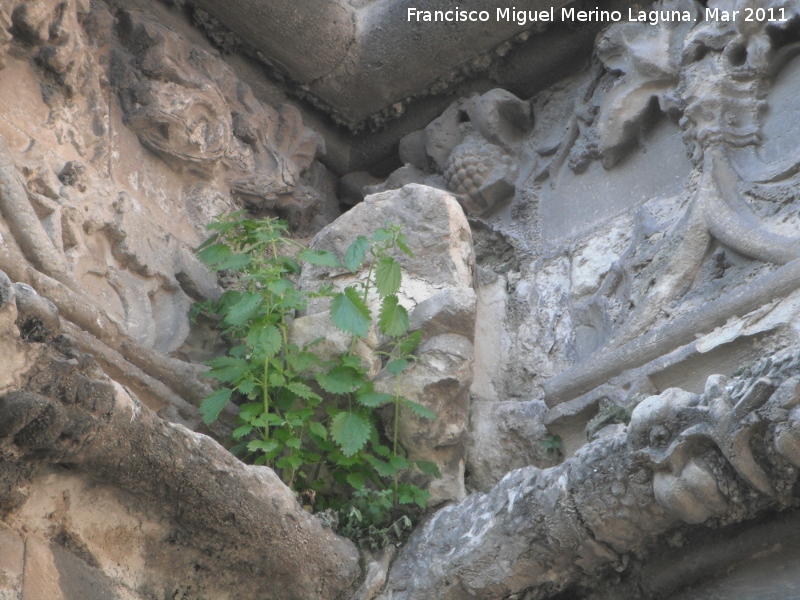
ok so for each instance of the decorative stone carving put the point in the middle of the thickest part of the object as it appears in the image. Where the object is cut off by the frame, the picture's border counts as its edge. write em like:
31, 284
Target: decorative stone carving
5, 36
727, 454
70, 413
101, 227
713, 76
485, 132
474, 144
188, 107
53, 27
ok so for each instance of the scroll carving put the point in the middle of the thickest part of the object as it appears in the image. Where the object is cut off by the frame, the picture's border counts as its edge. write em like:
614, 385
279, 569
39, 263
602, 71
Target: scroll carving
189, 108
713, 76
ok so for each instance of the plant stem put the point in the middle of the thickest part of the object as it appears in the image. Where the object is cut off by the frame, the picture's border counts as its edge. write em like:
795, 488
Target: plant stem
396, 428
366, 293
266, 396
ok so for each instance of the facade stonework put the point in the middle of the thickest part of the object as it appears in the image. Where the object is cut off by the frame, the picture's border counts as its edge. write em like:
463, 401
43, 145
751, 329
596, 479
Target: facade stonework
606, 278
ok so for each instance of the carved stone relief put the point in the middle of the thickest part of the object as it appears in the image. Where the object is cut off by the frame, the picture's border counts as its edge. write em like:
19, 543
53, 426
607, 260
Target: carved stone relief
717, 458
145, 136
666, 125
189, 108
472, 150
713, 77
119, 141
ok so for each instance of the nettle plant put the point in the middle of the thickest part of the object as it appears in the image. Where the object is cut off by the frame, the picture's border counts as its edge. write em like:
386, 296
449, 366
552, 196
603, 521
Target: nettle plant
314, 421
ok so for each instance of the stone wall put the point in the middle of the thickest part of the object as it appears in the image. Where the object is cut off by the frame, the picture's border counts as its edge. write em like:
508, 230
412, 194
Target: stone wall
594, 262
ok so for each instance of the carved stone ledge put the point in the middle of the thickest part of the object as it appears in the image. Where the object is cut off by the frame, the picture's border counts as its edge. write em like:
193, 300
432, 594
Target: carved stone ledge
726, 456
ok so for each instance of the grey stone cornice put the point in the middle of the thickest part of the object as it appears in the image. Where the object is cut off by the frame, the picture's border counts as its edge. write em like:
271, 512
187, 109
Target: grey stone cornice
359, 63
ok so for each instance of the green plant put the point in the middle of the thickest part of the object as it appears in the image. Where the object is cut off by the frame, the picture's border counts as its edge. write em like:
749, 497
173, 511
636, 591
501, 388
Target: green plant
552, 444
283, 421
369, 520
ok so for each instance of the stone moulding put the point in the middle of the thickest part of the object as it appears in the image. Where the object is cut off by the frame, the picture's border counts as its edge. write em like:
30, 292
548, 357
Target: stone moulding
360, 62
603, 366
721, 457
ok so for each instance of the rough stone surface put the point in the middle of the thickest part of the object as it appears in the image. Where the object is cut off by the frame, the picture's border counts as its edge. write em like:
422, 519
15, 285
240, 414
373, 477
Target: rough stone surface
124, 536
683, 458
435, 227
450, 311
329, 342
504, 436
437, 285
491, 341
439, 380
632, 243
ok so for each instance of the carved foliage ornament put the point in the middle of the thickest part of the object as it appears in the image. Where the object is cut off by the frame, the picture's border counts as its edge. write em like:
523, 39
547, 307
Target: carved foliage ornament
190, 109
750, 424
713, 76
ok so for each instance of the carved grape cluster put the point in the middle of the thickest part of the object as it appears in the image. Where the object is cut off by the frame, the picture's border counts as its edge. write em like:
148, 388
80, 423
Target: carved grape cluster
471, 165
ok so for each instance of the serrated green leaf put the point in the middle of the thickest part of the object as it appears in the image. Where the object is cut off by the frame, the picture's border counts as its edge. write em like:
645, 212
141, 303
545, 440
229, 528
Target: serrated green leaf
402, 243
397, 366
227, 369
214, 254
265, 446
294, 443
211, 240
250, 410
374, 399
266, 339
318, 429
302, 391
346, 461
428, 468
350, 431
281, 286
239, 351
340, 380
319, 258
235, 262
418, 409
289, 462
247, 386
382, 450
409, 493
291, 265
312, 457
421, 497
356, 253
264, 420
382, 235
302, 361
404, 496
281, 435
393, 318
382, 468
399, 462
242, 431
410, 343
213, 404
245, 309
303, 414
388, 276
352, 361
350, 314
357, 480
276, 380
